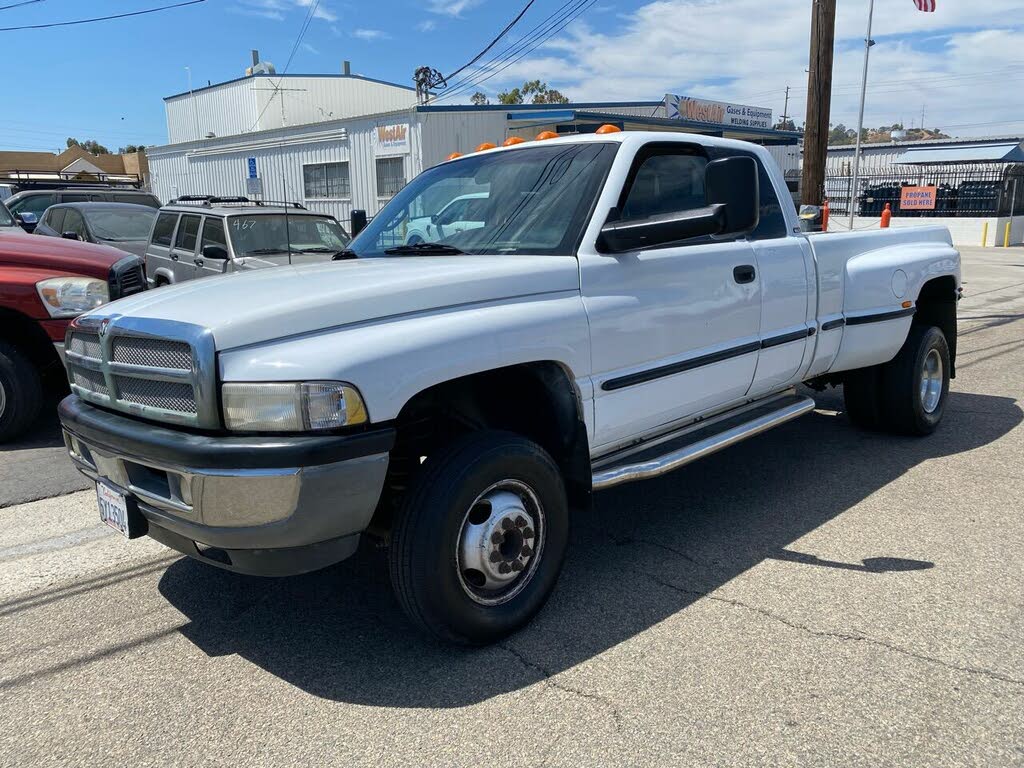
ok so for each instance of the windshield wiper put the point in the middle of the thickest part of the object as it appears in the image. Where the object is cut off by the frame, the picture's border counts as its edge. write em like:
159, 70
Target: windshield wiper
348, 253
439, 249
317, 249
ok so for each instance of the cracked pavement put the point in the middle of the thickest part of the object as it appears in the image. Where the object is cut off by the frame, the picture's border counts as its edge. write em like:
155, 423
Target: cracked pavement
815, 596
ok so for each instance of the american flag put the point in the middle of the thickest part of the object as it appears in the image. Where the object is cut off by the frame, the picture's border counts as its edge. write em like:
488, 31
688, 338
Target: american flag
927, 6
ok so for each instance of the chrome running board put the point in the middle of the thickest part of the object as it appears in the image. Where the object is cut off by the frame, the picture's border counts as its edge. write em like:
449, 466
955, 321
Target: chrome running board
669, 452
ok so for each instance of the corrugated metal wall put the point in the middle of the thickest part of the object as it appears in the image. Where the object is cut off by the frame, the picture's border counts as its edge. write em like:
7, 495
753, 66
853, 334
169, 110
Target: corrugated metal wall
219, 166
225, 110
243, 106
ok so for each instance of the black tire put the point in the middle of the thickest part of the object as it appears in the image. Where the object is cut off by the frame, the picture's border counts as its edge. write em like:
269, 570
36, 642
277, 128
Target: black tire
21, 392
862, 398
425, 562
903, 410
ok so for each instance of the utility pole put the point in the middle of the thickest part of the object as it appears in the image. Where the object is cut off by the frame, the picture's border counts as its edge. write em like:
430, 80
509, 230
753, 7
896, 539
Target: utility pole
819, 97
785, 107
854, 184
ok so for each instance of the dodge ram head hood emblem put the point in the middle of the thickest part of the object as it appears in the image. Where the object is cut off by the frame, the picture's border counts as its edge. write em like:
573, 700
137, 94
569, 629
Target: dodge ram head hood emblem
104, 325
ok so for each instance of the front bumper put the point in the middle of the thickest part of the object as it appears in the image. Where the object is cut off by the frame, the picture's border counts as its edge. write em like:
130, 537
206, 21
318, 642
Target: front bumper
265, 505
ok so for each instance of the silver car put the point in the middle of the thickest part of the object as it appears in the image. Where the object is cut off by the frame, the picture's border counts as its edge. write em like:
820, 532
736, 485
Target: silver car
202, 236
121, 225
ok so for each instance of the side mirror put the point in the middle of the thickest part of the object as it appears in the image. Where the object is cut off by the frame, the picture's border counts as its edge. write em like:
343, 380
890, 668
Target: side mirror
69, 235
216, 252
27, 221
358, 221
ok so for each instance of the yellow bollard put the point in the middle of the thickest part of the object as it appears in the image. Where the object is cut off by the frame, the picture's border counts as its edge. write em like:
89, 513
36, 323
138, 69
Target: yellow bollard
1006, 236
984, 234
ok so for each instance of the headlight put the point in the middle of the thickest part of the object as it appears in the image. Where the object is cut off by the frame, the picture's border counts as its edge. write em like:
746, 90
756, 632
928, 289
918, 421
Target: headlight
291, 406
71, 296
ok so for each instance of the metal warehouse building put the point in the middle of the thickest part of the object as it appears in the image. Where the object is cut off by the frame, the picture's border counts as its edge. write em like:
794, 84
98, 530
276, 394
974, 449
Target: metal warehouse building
341, 142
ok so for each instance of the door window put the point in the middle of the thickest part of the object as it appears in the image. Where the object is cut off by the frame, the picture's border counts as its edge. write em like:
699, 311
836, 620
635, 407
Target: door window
164, 229
73, 222
188, 231
54, 219
665, 181
213, 233
33, 204
72, 198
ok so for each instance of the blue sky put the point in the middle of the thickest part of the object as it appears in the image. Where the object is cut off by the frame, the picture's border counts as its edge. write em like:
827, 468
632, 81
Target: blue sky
963, 65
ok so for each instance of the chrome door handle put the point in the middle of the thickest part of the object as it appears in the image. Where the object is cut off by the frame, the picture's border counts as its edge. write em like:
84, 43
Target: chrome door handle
174, 257
198, 262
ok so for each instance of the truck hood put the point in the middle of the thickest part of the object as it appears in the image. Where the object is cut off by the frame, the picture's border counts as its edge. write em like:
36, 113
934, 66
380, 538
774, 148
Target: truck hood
265, 304
64, 256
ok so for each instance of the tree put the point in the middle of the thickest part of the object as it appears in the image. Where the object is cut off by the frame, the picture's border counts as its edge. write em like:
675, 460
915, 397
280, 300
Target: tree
785, 125
131, 149
479, 99
533, 92
91, 146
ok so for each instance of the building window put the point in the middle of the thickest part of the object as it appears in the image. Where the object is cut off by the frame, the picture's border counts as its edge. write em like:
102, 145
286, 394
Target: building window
390, 176
328, 180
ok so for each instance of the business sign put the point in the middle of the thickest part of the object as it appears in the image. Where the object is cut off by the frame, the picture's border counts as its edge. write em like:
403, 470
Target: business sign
716, 112
391, 139
252, 168
917, 199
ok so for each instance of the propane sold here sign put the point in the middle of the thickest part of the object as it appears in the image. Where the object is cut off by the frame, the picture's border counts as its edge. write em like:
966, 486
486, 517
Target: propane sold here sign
917, 199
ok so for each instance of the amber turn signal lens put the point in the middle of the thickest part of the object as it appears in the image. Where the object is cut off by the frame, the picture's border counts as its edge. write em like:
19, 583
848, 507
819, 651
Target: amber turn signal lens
486, 145
907, 304
512, 141
546, 135
607, 128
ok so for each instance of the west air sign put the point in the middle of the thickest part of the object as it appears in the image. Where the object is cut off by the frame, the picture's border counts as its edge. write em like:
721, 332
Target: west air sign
716, 112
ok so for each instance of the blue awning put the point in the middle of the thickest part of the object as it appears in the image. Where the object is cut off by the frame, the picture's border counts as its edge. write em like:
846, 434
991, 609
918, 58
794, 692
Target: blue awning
1006, 152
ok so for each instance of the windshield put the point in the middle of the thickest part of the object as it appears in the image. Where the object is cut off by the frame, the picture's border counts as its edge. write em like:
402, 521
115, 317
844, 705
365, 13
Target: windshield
120, 225
6, 220
530, 200
277, 233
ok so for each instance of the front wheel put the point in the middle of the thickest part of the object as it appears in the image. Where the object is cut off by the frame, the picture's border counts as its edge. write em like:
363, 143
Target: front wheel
21, 393
479, 542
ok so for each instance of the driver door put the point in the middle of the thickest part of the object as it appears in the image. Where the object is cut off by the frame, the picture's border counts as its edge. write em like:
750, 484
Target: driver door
212, 234
674, 329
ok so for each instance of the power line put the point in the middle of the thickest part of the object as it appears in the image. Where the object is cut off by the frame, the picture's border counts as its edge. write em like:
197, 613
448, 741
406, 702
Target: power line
16, 5
493, 42
101, 18
552, 19
525, 45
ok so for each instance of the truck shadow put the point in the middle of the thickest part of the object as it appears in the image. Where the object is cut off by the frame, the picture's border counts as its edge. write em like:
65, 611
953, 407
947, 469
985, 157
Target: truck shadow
646, 552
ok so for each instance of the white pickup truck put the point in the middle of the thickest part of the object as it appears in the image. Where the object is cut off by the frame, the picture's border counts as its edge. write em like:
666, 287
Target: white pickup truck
632, 302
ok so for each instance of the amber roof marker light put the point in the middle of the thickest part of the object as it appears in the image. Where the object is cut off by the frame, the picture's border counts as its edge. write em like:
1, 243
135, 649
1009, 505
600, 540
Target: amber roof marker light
511, 141
486, 145
545, 135
608, 128
454, 156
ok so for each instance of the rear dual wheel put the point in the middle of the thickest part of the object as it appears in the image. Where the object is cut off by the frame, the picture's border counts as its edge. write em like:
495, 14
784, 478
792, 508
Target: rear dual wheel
908, 394
479, 542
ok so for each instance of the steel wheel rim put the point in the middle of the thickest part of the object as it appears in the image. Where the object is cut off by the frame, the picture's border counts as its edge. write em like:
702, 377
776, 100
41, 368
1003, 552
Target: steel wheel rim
500, 542
931, 381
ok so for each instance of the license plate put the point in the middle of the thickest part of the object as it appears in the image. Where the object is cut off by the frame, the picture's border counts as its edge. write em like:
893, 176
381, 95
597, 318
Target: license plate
113, 509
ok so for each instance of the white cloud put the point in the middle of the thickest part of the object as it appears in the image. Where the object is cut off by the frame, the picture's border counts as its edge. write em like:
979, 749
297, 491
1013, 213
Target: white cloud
963, 62
429, 25
278, 9
370, 34
310, 49
451, 7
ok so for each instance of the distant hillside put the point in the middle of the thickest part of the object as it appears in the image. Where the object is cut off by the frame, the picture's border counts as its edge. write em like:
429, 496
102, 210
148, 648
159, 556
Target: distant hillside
840, 134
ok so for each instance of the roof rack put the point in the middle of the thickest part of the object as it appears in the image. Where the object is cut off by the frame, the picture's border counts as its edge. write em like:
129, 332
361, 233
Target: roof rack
208, 201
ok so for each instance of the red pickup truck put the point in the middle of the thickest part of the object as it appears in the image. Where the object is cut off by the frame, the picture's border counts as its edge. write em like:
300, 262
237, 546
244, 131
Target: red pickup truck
44, 283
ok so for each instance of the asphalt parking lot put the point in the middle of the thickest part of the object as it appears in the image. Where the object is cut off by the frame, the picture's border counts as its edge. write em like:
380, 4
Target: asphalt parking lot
815, 596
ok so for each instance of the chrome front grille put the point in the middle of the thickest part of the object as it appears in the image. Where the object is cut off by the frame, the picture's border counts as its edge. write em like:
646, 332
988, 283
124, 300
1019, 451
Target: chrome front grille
157, 369
166, 395
154, 353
